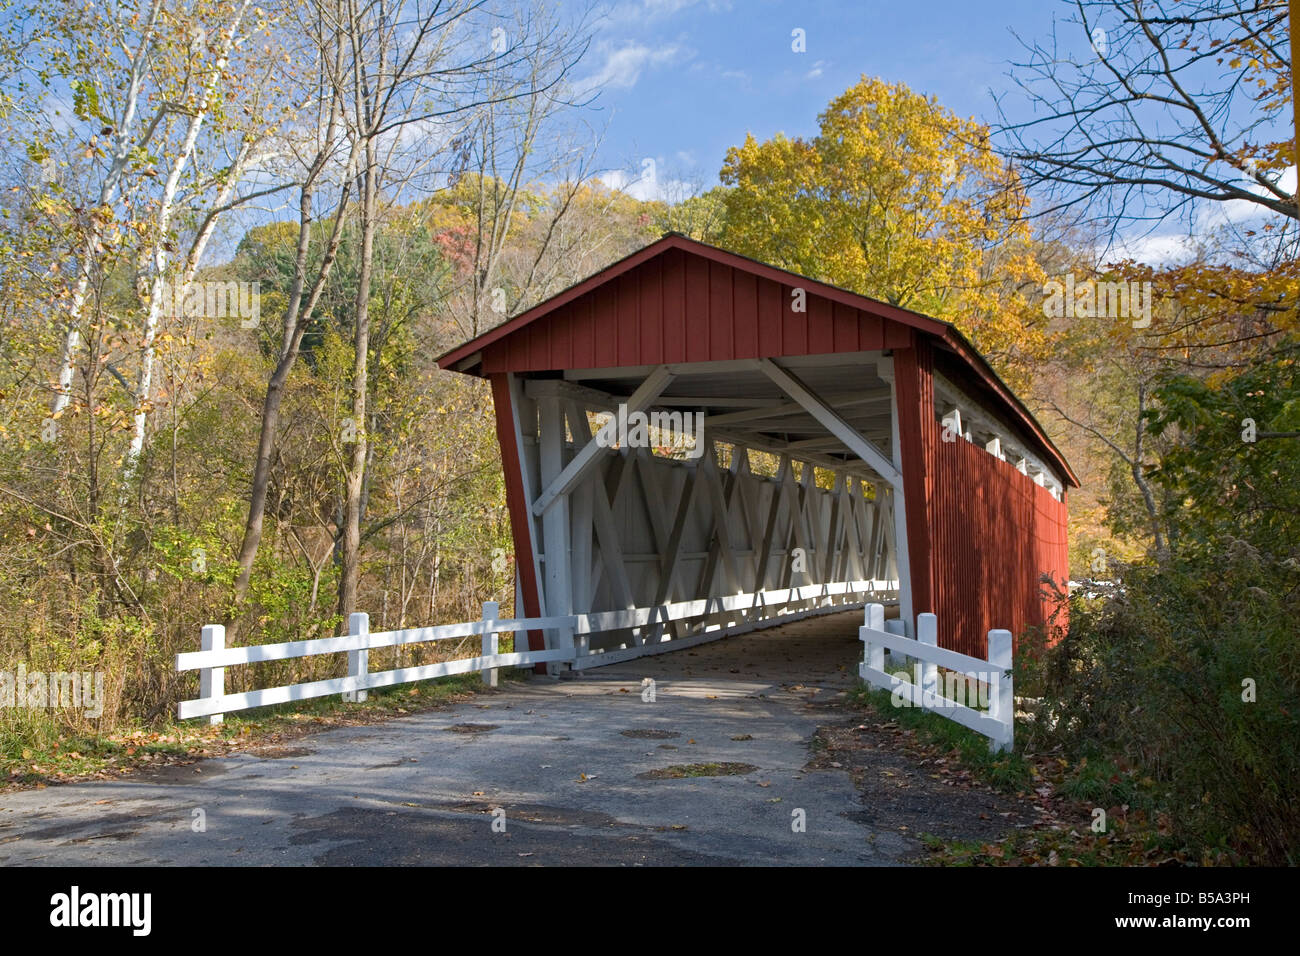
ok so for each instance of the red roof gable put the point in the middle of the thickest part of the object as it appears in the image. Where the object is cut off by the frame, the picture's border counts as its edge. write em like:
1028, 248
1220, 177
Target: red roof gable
678, 300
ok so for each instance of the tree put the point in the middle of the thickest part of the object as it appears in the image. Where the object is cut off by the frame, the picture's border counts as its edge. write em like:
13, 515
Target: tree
898, 199
151, 90
1172, 111
1157, 108
1112, 414
406, 68
701, 215
200, 92
1233, 474
321, 150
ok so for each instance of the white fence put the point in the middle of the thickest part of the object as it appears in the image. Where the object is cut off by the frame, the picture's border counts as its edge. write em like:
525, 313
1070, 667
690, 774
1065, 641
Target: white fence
706, 619
988, 679
215, 657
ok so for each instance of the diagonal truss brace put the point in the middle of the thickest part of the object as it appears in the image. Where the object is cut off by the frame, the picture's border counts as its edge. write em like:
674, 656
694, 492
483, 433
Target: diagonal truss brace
846, 433
591, 453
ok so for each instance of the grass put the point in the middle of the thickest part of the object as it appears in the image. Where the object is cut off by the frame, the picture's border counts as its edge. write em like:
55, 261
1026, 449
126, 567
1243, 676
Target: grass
1127, 842
1135, 833
1007, 771
33, 751
1103, 784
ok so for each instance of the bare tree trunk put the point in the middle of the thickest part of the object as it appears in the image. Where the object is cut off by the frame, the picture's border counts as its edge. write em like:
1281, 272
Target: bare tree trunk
396, 84
350, 576
297, 317
435, 571
1144, 487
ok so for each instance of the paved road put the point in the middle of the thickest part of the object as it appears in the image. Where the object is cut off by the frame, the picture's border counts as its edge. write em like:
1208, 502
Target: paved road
566, 760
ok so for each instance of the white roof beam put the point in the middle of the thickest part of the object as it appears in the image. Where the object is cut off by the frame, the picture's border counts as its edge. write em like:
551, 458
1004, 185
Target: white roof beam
831, 420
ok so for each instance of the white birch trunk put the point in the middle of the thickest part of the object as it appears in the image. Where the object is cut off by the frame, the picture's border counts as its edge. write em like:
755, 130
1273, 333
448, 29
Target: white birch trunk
107, 191
145, 381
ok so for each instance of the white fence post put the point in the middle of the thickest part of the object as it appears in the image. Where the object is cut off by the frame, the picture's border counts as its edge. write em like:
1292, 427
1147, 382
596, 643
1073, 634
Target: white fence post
895, 626
491, 612
927, 632
875, 653
358, 661
1002, 699
212, 680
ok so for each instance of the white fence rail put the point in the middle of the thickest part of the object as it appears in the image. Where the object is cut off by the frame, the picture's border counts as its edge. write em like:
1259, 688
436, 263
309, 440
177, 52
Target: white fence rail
215, 657
987, 679
713, 617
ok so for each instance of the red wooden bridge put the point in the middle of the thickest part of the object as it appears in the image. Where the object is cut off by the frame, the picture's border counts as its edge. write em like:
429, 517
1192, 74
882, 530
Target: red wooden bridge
852, 452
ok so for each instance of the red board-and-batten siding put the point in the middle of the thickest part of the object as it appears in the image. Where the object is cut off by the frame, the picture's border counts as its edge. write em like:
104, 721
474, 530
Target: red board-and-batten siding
680, 308
990, 532
980, 533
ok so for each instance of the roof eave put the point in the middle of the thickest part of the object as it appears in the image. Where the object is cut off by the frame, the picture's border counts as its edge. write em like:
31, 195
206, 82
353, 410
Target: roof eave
468, 357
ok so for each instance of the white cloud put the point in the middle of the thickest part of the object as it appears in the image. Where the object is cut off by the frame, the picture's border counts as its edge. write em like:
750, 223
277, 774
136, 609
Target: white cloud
1152, 250
816, 71
645, 188
642, 10
1236, 211
623, 65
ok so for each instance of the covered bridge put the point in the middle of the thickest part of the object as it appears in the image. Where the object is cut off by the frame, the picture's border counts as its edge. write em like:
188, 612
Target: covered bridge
838, 450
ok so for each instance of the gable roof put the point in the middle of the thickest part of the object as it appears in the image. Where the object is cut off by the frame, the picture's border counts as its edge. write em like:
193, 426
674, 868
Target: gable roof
579, 327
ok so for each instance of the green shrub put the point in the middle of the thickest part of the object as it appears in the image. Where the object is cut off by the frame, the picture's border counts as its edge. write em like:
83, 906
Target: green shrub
1155, 683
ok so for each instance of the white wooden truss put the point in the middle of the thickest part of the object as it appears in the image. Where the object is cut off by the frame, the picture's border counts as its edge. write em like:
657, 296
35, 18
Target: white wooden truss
619, 529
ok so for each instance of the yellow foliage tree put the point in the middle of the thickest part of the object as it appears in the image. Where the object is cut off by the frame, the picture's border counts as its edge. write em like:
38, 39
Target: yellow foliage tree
899, 199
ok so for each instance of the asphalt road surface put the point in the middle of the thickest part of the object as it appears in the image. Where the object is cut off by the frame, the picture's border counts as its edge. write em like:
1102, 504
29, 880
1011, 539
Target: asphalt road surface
544, 771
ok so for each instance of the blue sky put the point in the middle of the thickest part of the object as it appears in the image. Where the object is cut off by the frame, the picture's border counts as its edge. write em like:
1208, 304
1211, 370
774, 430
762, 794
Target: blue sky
683, 80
